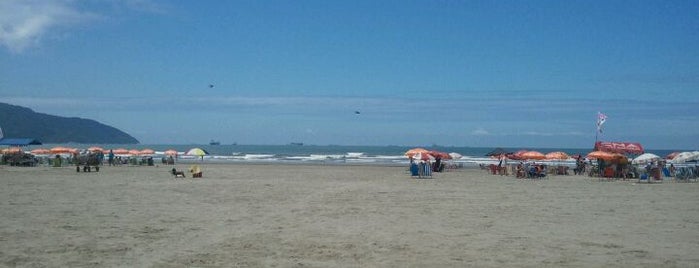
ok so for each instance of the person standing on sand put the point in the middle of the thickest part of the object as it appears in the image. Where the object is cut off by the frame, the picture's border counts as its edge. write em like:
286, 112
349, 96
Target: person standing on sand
110, 158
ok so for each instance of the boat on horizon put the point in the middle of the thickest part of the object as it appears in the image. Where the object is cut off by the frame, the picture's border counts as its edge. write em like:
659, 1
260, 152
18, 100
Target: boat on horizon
213, 142
296, 143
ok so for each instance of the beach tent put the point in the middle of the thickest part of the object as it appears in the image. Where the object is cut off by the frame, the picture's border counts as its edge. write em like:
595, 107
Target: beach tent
619, 147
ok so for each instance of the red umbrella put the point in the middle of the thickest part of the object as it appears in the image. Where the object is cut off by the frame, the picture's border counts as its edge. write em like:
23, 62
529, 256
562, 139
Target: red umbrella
170, 152
438, 154
147, 151
134, 152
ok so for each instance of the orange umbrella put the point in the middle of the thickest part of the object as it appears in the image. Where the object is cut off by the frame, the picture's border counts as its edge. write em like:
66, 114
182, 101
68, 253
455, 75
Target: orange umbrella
134, 152
170, 152
11, 150
557, 156
120, 151
61, 150
40, 151
147, 151
605, 155
533, 155
414, 151
95, 149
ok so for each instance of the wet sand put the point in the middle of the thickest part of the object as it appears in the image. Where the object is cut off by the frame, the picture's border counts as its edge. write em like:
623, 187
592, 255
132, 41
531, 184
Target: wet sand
247, 215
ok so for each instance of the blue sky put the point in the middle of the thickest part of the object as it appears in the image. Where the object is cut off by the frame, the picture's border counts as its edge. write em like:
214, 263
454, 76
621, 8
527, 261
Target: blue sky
463, 73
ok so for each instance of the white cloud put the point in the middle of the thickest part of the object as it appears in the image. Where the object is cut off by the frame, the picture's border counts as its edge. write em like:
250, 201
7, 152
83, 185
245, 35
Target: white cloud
26, 23
23, 23
480, 132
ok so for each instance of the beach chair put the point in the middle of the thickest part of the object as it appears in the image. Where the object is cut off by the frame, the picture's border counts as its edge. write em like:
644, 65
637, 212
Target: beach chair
414, 170
177, 173
493, 169
424, 171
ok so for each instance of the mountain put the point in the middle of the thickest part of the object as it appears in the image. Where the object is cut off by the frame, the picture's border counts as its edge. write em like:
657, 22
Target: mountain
22, 122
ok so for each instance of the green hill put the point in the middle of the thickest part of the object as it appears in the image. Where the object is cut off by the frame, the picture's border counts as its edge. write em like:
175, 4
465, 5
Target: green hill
21, 122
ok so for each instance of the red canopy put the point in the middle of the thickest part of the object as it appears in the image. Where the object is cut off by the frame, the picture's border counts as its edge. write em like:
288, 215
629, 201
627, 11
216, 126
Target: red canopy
619, 147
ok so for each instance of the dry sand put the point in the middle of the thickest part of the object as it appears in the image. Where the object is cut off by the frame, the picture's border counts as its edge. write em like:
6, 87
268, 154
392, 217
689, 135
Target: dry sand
339, 216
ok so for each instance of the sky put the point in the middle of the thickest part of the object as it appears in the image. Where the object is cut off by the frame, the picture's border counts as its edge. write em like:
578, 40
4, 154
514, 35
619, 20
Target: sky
454, 73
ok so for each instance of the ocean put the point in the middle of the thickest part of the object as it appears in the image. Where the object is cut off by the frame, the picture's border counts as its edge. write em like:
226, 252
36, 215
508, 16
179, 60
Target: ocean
329, 154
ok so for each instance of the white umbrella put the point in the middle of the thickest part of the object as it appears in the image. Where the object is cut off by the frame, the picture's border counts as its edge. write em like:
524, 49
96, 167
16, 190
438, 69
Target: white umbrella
686, 157
645, 158
456, 155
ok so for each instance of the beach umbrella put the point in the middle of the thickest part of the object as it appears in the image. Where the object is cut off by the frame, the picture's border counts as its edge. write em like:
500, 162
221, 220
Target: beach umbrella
95, 149
686, 157
438, 154
645, 158
557, 156
198, 152
672, 155
170, 152
604, 155
120, 151
532, 155
134, 152
11, 150
497, 152
414, 151
455, 155
424, 156
60, 150
40, 151
517, 155
147, 152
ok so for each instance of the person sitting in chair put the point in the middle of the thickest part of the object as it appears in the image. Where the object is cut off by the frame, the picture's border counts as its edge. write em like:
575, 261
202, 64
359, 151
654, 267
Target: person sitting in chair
196, 171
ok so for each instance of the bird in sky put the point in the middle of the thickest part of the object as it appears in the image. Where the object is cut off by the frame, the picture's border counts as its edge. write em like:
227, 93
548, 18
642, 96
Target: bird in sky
211, 86
357, 112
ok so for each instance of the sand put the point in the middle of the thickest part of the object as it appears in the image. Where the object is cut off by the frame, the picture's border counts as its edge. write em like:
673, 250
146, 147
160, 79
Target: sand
248, 215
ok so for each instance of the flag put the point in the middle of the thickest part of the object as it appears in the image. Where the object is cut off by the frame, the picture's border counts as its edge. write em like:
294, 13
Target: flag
601, 118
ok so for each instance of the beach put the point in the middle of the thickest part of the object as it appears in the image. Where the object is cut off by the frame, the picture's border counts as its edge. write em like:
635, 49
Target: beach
298, 215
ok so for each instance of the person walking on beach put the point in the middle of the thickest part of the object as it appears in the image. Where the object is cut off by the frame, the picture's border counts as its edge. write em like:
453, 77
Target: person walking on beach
110, 158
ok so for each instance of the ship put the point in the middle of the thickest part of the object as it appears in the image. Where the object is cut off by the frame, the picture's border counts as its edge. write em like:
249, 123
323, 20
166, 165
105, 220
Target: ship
213, 142
296, 143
